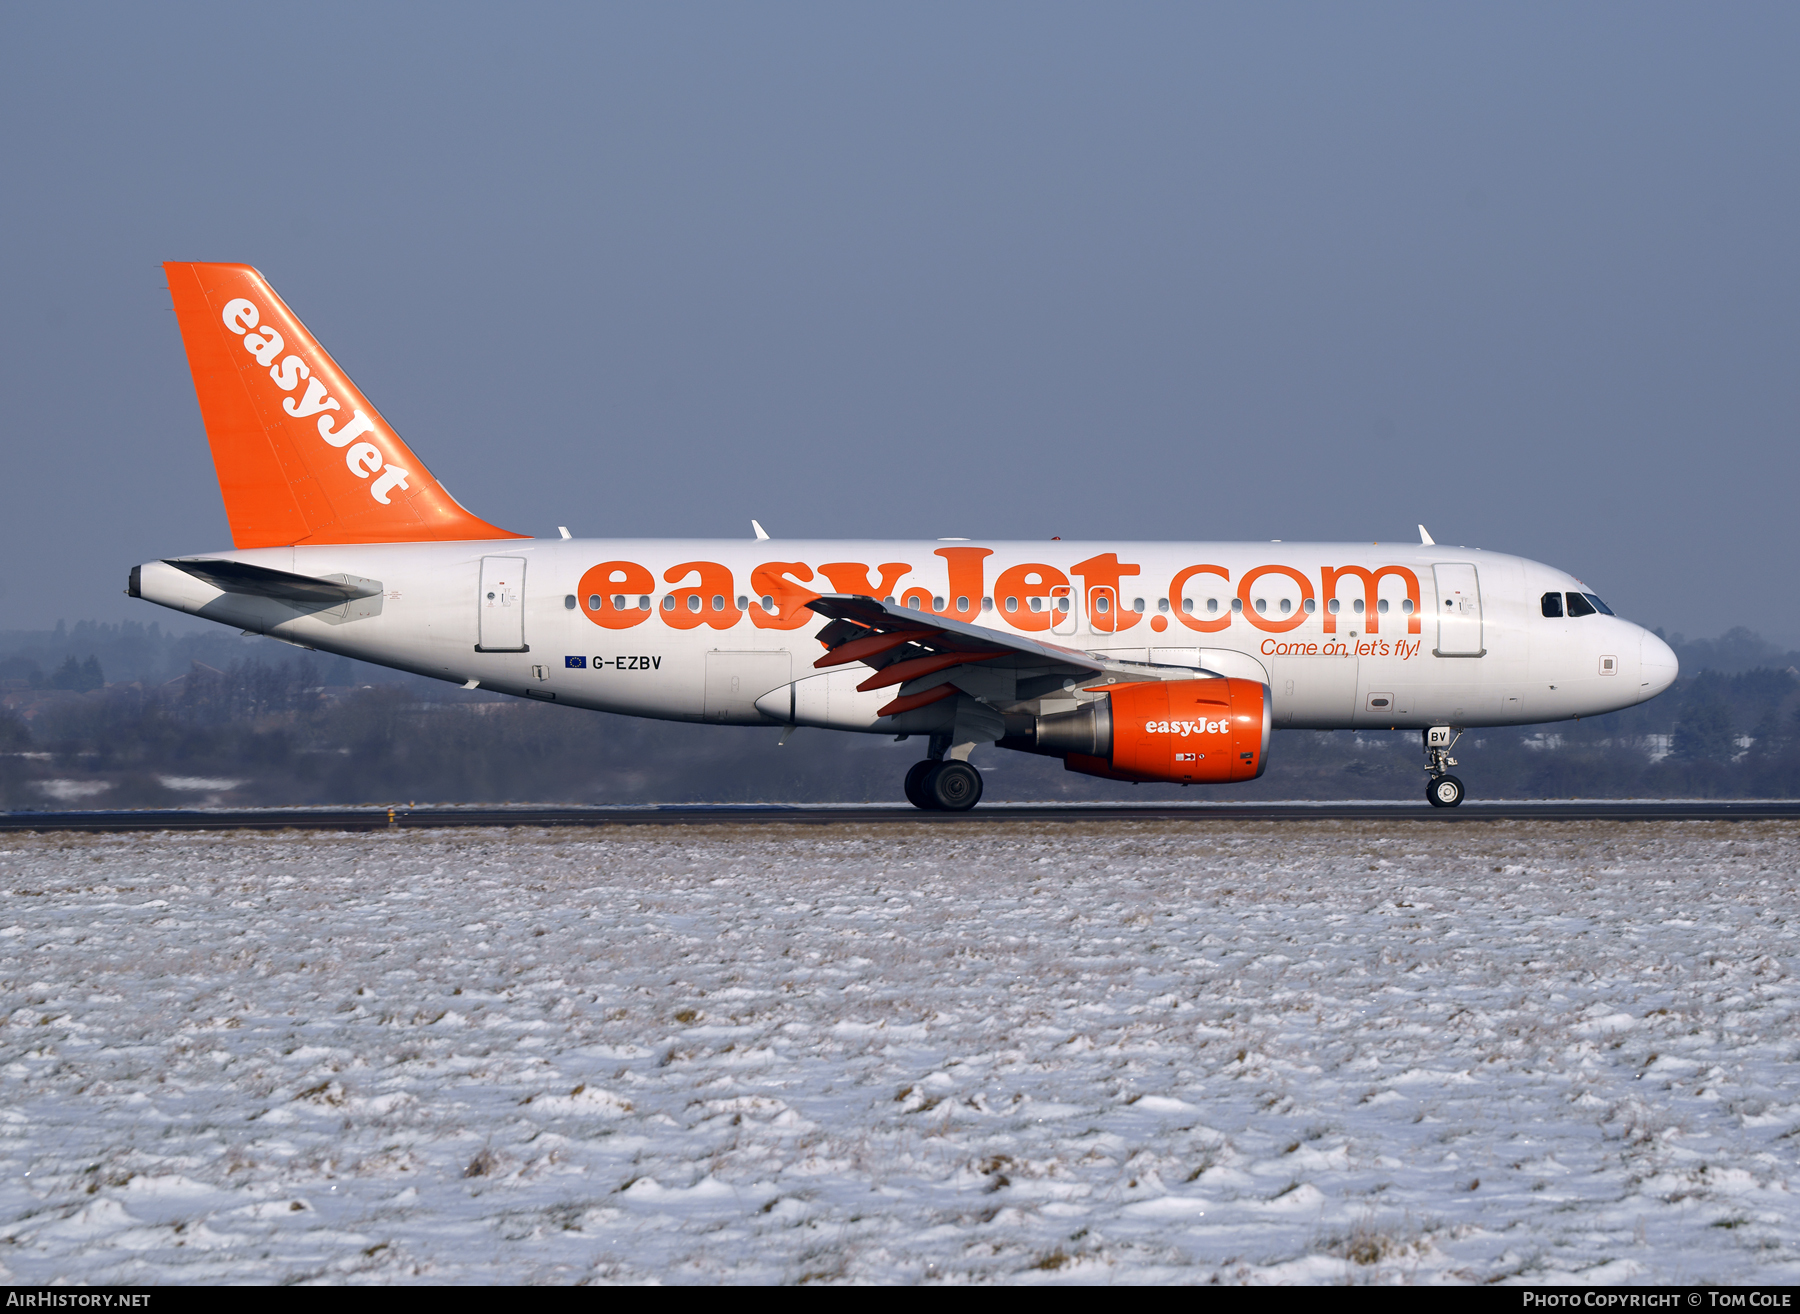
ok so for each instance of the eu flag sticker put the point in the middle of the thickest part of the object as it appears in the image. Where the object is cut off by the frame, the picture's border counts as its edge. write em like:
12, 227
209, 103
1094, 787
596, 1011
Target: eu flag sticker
575, 663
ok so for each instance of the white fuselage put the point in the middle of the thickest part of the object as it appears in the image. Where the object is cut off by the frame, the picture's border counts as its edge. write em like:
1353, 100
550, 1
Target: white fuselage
1446, 636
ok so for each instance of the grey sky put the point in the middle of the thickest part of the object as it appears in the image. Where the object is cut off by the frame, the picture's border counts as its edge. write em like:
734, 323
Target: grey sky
1525, 273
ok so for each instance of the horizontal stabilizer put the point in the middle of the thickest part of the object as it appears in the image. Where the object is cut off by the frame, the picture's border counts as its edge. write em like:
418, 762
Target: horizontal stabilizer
261, 582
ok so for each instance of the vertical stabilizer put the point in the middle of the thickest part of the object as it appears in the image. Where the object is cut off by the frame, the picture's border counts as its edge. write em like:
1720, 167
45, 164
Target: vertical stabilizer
302, 456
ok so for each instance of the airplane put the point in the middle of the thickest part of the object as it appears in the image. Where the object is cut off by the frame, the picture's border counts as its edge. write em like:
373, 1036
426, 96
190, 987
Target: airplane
1142, 662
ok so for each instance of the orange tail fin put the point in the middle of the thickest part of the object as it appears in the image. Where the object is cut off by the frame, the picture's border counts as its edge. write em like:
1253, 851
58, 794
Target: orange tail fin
301, 454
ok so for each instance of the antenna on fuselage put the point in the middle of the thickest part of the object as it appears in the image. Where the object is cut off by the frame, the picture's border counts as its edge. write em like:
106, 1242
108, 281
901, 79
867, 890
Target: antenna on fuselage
1426, 540
762, 535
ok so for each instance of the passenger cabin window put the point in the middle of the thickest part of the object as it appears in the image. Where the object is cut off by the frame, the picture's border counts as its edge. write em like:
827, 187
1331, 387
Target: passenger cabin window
1580, 606
1553, 605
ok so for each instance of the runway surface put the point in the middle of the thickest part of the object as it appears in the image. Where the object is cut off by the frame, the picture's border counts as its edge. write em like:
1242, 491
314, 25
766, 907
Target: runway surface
383, 818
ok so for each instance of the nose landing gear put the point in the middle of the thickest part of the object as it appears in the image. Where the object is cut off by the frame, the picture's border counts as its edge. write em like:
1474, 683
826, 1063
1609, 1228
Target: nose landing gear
1443, 790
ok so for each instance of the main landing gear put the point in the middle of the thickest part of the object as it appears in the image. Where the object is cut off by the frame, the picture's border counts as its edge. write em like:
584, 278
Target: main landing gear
1444, 790
947, 786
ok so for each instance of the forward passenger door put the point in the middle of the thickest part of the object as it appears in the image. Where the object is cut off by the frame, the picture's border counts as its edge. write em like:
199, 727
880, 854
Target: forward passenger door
1459, 611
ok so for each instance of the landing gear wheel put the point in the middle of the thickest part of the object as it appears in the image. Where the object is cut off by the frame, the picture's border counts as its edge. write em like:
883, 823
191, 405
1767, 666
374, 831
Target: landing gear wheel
1444, 792
953, 786
915, 785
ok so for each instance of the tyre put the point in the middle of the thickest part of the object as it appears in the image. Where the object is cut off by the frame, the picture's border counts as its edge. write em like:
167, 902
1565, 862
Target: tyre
1444, 792
953, 786
915, 785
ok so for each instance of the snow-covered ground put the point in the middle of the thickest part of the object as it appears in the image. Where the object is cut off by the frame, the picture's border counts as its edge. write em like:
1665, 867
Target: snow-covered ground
1257, 1052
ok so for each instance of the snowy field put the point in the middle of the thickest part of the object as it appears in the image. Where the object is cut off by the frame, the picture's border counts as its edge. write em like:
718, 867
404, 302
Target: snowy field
1195, 1052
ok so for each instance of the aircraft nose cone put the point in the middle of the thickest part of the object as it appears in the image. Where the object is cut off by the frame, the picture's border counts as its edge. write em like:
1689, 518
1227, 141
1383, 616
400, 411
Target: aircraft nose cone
1658, 663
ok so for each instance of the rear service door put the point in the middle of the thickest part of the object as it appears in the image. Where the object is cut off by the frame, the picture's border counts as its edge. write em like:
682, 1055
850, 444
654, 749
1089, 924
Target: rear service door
502, 605
1459, 611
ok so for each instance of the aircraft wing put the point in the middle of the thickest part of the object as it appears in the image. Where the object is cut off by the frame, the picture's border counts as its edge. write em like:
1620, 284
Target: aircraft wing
932, 657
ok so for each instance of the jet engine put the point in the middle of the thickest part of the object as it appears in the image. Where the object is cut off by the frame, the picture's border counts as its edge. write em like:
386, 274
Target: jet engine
1173, 731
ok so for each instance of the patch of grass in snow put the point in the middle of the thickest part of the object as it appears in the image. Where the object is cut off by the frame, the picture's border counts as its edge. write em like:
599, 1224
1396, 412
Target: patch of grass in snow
913, 1100
824, 1266
1366, 1243
326, 1092
484, 1164
1207, 1160
995, 1168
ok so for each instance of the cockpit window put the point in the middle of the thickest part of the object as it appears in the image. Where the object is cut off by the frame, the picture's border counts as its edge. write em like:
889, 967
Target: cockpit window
1580, 606
1553, 604
1599, 606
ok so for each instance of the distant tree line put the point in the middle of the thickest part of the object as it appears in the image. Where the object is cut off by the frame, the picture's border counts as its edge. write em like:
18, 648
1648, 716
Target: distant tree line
313, 729
79, 676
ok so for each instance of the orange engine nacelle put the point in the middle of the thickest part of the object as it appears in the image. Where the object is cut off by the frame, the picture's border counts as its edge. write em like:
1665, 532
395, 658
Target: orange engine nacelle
1177, 731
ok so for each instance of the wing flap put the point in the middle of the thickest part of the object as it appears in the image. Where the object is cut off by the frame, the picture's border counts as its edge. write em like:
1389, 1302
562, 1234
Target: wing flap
912, 702
878, 635
933, 659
